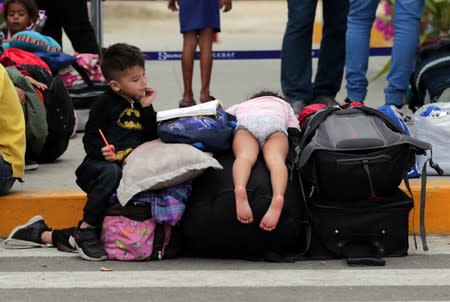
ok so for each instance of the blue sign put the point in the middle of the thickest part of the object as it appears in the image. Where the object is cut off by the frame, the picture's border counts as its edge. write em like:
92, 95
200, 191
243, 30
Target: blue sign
245, 54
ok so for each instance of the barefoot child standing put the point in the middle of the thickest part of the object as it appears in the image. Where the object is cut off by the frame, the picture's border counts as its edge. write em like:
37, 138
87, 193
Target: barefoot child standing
262, 124
199, 20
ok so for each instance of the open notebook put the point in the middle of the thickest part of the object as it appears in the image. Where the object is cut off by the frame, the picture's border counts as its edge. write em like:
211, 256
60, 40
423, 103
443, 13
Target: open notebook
208, 108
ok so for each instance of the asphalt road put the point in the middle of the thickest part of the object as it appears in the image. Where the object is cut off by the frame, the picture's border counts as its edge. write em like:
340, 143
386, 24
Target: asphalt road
48, 275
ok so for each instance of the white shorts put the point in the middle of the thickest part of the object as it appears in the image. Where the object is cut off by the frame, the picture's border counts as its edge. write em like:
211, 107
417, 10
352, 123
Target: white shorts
261, 127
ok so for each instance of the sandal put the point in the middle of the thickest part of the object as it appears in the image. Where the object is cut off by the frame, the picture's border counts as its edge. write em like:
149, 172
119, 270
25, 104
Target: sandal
184, 103
210, 98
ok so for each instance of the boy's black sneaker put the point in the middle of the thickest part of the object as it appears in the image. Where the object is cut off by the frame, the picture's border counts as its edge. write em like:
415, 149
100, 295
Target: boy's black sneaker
88, 244
27, 235
63, 240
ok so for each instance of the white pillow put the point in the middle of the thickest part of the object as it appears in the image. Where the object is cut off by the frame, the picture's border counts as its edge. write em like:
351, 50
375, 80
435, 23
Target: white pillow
157, 165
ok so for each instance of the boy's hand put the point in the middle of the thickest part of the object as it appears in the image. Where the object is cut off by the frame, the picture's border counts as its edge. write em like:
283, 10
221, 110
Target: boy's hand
172, 5
225, 5
148, 98
109, 153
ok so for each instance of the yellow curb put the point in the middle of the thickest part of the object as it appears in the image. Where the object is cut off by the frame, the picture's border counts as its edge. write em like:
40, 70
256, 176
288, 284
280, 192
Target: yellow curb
60, 208
437, 208
64, 208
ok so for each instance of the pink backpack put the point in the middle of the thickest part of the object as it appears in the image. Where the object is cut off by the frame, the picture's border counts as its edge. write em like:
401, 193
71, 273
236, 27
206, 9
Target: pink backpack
85, 71
130, 240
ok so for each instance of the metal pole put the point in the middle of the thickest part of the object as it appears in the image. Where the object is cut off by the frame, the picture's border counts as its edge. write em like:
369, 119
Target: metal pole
97, 20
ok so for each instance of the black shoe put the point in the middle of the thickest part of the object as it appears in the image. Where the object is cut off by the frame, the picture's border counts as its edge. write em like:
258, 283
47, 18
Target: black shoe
27, 235
88, 244
298, 105
63, 240
327, 100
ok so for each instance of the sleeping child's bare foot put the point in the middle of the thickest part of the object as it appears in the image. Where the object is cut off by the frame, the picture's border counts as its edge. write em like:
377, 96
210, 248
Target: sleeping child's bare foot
243, 210
270, 220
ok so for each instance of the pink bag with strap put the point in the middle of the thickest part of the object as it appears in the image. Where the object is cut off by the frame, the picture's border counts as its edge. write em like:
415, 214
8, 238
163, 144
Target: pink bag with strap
130, 240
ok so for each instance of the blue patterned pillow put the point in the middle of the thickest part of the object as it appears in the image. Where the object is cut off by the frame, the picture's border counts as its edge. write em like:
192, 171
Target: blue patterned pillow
33, 41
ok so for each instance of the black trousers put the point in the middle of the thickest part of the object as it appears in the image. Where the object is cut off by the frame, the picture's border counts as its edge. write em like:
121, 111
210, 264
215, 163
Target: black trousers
99, 179
73, 17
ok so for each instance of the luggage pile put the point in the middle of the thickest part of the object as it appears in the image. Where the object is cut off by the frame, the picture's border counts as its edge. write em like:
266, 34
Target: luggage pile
351, 163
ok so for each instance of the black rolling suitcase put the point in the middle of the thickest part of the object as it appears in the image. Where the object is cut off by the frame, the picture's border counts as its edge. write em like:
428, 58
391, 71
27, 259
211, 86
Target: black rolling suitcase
351, 162
361, 231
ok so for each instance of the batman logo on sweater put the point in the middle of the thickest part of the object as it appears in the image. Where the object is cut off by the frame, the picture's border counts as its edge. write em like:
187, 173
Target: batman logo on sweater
129, 119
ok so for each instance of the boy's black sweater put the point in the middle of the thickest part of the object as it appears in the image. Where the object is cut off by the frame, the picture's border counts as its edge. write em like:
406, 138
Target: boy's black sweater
124, 125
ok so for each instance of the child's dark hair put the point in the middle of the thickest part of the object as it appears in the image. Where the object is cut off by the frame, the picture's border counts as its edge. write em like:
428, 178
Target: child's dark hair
30, 6
119, 57
267, 93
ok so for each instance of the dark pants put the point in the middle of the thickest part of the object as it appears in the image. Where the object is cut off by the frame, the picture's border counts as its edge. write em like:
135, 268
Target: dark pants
73, 16
296, 59
99, 179
6, 179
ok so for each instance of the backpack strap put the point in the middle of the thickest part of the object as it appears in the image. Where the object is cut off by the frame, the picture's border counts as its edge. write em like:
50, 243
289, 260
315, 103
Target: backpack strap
158, 242
422, 230
423, 192
272, 256
83, 74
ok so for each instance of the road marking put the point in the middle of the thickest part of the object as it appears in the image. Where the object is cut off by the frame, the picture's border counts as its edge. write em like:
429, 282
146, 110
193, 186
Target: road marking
439, 245
34, 252
226, 278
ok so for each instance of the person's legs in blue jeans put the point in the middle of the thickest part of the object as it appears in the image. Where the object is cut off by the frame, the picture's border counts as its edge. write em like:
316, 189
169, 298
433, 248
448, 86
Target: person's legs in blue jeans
296, 62
360, 19
6, 179
331, 63
407, 15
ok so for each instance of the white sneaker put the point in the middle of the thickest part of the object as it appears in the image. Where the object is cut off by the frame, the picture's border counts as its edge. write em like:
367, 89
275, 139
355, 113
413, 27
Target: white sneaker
31, 165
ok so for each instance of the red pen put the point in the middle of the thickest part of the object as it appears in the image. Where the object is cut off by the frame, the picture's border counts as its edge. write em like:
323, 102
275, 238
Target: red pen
106, 142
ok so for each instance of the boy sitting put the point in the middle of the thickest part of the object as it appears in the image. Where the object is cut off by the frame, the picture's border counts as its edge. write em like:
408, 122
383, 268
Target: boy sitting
125, 115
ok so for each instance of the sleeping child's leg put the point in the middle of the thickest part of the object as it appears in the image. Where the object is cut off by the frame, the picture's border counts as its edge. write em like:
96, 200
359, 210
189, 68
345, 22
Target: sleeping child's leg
275, 151
246, 149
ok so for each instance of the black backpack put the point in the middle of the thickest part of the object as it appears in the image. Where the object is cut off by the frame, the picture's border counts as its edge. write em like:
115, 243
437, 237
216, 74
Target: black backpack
60, 113
351, 162
354, 153
431, 73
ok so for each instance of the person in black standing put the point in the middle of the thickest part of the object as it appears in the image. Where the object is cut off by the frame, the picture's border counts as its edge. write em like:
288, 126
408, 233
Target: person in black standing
73, 17
296, 58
